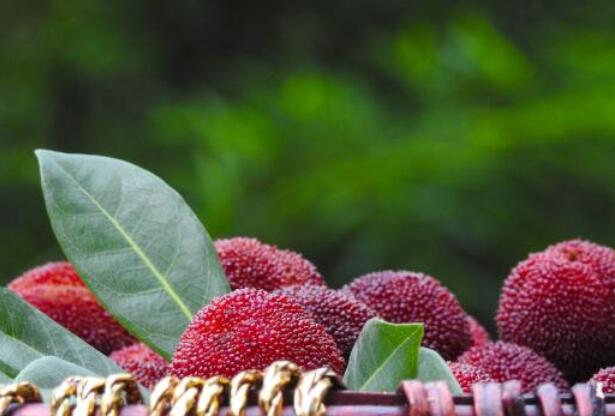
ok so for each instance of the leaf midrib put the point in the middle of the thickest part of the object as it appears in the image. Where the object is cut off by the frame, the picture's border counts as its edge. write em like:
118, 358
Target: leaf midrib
159, 276
389, 357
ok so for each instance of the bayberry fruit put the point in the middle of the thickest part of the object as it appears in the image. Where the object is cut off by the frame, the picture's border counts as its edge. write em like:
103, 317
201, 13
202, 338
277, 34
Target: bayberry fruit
250, 329
342, 316
248, 263
401, 296
468, 375
561, 303
145, 365
57, 290
505, 361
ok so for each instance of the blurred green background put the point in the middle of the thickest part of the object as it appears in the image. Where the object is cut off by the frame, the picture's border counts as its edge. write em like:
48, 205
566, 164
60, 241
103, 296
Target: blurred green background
445, 137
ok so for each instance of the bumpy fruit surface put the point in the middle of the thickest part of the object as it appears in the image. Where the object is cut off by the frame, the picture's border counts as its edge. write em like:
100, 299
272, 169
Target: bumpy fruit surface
250, 329
248, 263
144, 364
561, 303
401, 296
57, 290
342, 316
606, 376
479, 334
504, 361
467, 375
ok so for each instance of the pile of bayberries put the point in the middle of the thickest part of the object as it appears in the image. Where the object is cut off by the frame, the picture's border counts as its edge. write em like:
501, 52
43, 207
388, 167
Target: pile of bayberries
556, 317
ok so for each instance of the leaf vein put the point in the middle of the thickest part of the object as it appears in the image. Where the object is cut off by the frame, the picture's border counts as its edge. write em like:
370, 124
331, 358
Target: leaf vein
159, 276
389, 358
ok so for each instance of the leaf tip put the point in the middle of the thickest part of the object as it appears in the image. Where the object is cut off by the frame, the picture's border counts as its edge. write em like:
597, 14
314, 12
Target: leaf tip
42, 153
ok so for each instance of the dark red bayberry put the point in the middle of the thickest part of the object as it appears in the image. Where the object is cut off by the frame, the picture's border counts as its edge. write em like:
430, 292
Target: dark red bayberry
248, 263
342, 316
144, 364
401, 296
505, 361
561, 303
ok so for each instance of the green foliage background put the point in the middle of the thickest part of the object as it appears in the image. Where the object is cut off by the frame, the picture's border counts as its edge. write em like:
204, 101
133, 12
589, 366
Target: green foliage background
448, 138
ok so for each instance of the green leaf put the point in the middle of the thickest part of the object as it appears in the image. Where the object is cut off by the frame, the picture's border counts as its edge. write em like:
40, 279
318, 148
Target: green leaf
27, 335
383, 356
135, 242
4, 379
48, 372
433, 368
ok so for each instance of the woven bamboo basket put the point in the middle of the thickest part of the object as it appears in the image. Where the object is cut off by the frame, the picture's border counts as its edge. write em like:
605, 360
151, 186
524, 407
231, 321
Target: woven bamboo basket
283, 390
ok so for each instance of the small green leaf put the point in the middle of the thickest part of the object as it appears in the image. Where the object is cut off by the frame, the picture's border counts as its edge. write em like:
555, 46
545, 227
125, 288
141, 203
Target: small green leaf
48, 372
135, 242
27, 335
433, 368
383, 356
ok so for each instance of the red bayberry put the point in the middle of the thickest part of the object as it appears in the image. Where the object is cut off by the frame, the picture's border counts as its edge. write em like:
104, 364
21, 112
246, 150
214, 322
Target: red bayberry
248, 263
250, 329
561, 303
57, 290
401, 296
467, 375
144, 364
606, 376
504, 361
479, 334
342, 316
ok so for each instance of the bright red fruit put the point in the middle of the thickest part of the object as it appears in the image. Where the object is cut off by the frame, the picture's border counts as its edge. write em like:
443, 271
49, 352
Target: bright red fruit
401, 296
505, 361
342, 316
561, 303
248, 263
144, 364
57, 290
250, 329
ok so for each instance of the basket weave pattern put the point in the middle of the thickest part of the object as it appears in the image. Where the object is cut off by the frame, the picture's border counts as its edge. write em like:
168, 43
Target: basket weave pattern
284, 390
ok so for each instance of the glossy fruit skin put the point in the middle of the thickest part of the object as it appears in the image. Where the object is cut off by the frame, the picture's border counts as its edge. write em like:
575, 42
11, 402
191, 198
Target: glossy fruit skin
504, 361
57, 290
606, 376
468, 375
342, 316
561, 303
250, 329
249, 263
403, 296
147, 367
479, 334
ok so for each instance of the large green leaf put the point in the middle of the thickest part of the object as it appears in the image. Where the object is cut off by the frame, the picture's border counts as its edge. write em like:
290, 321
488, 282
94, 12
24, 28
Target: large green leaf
433, 368
383, 356
48, 372
135, 242
27, 335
